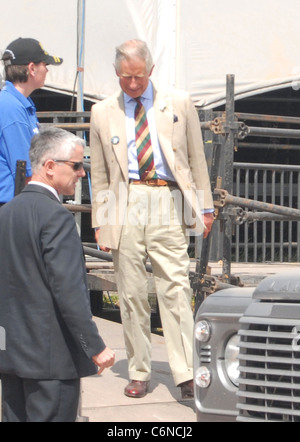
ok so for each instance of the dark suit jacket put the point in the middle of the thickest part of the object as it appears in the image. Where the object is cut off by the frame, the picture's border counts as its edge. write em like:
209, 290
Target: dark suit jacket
44, 302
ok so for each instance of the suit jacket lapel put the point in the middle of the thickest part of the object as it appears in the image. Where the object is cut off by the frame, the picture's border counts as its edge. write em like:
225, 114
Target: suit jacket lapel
118, 133
163, 108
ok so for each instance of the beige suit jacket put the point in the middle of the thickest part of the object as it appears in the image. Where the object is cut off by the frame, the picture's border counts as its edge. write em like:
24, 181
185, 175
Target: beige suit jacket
181, 142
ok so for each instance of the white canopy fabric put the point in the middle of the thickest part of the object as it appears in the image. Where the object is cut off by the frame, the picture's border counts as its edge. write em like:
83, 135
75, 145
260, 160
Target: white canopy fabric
195, 43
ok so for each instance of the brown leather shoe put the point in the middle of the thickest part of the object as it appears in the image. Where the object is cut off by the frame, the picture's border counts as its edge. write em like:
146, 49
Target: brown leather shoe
187, 389
137, 389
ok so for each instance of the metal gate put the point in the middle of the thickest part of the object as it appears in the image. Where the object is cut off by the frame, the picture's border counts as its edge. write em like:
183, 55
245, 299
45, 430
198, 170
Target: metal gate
244, 235
269, 240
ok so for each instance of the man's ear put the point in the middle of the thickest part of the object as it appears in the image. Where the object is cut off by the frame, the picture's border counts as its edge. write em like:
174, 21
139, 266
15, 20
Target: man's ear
151, 70
49, 167
31, 69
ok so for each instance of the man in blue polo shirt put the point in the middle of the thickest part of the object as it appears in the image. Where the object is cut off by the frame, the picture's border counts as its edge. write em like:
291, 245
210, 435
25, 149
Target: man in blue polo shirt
25, 64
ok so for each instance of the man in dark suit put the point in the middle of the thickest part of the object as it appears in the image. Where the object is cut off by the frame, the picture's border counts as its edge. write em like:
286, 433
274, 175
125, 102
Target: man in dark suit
50, 338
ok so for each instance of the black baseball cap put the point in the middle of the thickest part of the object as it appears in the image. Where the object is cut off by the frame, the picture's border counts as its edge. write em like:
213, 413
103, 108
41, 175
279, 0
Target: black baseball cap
28, 50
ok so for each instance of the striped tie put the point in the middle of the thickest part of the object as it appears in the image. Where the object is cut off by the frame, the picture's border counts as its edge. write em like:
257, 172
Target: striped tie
143, 144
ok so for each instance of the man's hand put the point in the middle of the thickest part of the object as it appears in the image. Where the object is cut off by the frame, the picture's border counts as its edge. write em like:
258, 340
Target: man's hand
104, 249
104, 360
208, 219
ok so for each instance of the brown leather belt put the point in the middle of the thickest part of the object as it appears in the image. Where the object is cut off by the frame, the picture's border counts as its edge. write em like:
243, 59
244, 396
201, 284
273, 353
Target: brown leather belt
154, 183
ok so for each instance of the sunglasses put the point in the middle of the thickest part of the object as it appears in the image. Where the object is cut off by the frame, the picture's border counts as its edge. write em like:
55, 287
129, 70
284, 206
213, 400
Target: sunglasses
75, 165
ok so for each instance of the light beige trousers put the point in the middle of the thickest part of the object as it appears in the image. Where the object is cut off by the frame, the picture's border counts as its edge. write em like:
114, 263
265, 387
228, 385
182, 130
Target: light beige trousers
154, 230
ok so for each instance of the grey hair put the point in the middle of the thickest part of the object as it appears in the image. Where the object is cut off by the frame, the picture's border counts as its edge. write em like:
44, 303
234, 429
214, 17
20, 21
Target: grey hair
131, 49
52, 143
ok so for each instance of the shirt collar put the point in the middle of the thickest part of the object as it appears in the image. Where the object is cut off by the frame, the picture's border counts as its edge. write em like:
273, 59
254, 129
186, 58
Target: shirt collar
46, 186
27, 102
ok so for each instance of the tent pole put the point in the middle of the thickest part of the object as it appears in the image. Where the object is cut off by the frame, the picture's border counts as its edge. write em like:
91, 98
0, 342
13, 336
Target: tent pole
80, 82
80, 53
81, 9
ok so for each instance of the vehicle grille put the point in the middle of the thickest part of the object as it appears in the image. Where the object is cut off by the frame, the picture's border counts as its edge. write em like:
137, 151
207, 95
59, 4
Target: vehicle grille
269, 385
205, 355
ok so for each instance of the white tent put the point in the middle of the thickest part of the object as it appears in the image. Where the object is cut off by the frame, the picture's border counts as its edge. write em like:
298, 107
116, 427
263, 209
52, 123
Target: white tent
195, 43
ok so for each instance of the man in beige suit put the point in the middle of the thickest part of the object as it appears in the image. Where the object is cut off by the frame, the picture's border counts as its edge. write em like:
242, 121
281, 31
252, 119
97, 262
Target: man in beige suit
150, 185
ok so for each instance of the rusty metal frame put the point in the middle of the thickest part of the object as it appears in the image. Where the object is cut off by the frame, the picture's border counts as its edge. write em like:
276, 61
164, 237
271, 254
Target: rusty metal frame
232, 210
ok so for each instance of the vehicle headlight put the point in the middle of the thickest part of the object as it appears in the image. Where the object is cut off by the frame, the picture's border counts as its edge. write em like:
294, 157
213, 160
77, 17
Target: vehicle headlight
203, 377
232, 359
202, 331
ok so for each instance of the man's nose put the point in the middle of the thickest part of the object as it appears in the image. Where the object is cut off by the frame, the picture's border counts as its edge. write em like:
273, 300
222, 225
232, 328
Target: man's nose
133, 82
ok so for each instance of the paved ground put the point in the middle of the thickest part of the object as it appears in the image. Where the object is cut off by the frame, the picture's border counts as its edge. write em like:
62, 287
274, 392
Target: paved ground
103, 399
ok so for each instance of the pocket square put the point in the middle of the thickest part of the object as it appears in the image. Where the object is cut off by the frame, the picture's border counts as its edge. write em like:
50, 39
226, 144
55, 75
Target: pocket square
175, 118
